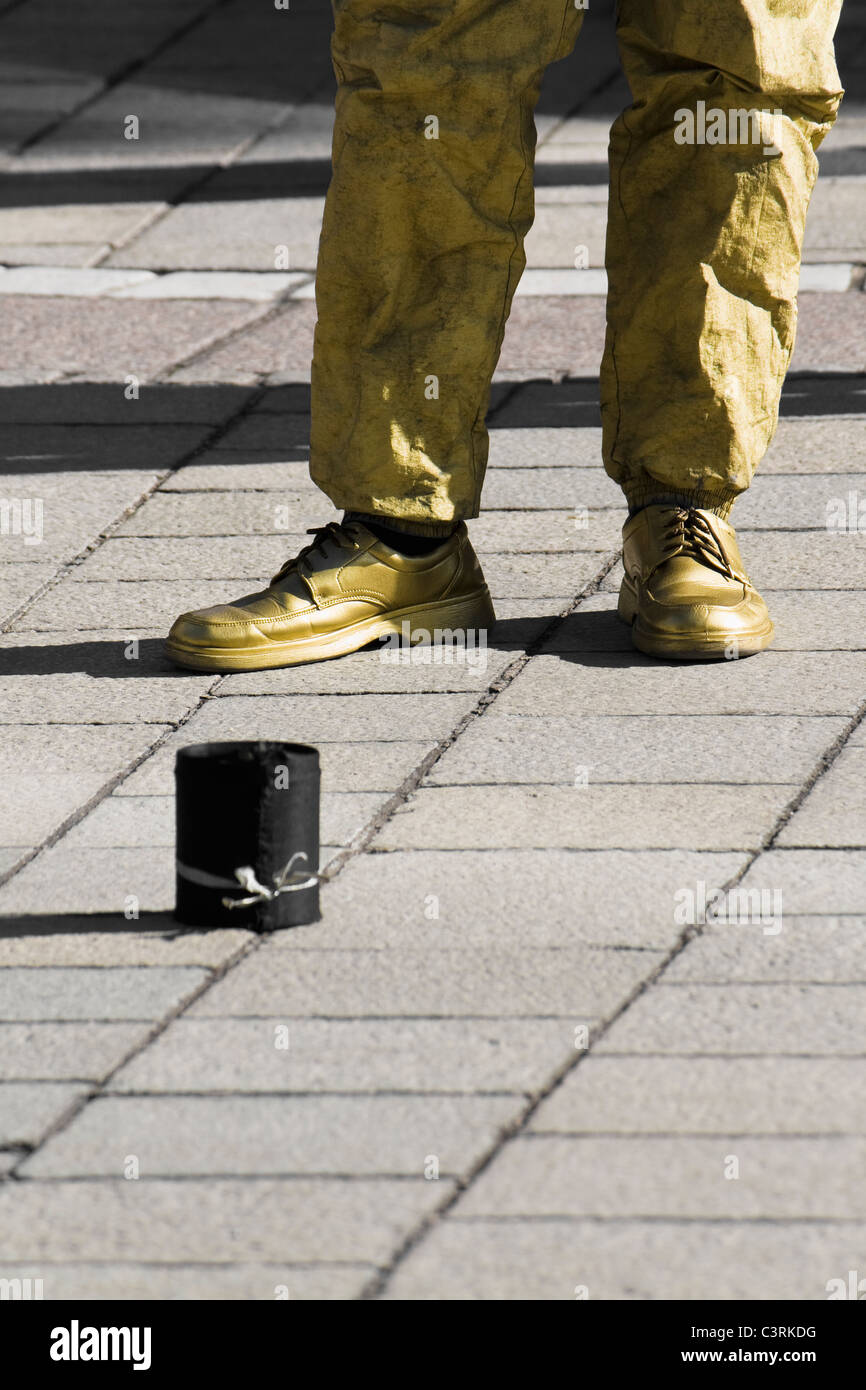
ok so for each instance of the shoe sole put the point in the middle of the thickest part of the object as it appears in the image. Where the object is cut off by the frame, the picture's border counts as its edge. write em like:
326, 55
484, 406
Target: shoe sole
471, 611
684, 647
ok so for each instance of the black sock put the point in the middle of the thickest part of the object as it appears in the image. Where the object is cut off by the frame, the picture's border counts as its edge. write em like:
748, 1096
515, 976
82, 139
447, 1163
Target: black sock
404, 542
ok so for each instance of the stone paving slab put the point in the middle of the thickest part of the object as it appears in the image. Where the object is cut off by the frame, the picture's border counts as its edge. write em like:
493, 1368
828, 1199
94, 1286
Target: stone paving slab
283, 471
176, 128
110, 340
114, 604
70, 510
812, 881
43, 229
834, 813
551, 532
817, 950
733, 1019
248, 559
544, 447
281, 345
833, 210
308, 129
831, 334
64, 1051
88, 230
80, 940
19, 582
815, 446
779, 1178
577, 982
427, 1055
540, 576
636, 888
240, 235
171, 513
375, 1136
47, 774
794, 502
77, 699
628, 816
510, 749
177, 1222
28, 1109
95, 994
772, 683
544, 489
322, 719
644, 1261
707, 1095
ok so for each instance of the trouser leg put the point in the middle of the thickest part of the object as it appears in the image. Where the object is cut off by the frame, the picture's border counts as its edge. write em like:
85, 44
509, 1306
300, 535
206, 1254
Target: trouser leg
704, 239
422, 244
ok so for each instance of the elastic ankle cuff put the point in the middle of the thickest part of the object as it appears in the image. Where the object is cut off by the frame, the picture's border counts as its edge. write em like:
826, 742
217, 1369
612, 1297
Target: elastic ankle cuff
410, 528
651, 494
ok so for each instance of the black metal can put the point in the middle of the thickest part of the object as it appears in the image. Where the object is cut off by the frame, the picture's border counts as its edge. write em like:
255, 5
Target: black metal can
247, 835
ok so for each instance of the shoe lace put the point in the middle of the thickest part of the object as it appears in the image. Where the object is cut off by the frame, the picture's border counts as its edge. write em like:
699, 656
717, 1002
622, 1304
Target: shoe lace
332, 530
689, 532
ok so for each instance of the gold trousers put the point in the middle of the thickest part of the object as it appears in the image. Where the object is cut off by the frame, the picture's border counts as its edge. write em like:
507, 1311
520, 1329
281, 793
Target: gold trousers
711, 172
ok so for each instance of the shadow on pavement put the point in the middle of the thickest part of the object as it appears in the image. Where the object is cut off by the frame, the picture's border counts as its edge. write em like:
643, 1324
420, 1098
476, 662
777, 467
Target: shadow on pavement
61, 924
574, 401
593, 638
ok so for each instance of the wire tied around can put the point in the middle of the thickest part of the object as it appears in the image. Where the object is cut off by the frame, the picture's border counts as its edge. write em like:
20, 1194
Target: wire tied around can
286, 881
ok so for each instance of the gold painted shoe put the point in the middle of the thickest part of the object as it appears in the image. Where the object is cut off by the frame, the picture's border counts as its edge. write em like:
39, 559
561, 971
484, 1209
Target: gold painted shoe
685, 591
345, 589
